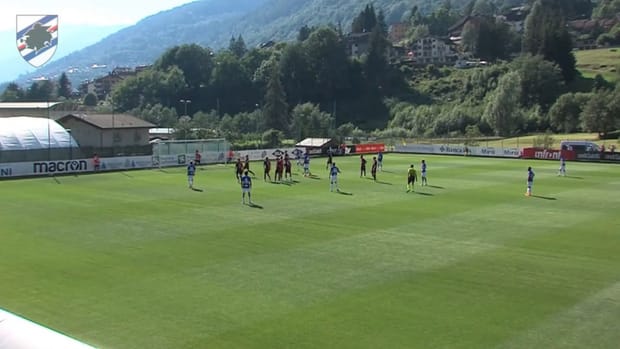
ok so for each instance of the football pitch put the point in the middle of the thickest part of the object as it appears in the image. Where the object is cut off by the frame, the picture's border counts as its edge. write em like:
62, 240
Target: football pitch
138, 260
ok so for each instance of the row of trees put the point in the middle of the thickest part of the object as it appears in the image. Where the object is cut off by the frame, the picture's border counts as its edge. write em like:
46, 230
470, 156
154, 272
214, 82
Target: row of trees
39, 91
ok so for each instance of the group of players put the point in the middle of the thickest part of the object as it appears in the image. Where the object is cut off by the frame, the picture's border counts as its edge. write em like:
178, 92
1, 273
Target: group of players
284, 167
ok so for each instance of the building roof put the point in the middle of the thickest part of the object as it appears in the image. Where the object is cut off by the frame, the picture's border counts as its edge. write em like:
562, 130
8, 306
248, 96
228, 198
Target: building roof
314, 142
28, 105
110, 121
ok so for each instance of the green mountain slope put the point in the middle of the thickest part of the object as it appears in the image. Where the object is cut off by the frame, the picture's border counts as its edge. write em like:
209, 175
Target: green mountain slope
212, 23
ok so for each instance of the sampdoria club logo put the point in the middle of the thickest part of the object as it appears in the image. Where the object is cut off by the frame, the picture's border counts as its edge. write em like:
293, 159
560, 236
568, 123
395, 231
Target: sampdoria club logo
37, 38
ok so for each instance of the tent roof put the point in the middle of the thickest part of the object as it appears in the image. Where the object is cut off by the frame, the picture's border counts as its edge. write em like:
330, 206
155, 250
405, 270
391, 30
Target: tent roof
27, 105
314, 142
28, 133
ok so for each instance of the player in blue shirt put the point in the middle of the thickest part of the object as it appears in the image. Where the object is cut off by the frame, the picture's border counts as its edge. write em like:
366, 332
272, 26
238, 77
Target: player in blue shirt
246, 186
306, 164
333, 177
424, 181
191, 171
530, 181
380, 160
562, 171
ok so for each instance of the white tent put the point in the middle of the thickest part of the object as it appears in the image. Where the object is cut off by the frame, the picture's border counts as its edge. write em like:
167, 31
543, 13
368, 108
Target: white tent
31, 133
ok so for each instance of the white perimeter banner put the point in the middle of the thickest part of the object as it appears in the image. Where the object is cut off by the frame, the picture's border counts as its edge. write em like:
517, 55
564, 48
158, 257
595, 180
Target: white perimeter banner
42, 168
448, 149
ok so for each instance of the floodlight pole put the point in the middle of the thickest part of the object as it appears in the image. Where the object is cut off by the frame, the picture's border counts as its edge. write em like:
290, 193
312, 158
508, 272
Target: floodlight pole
185, 103
49, 134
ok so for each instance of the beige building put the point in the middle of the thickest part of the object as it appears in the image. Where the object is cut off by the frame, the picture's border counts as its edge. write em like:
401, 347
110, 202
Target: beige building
432, 50
109, 134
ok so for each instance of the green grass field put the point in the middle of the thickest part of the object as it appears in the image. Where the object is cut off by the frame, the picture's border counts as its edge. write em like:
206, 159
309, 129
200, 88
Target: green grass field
137, 260
601, 61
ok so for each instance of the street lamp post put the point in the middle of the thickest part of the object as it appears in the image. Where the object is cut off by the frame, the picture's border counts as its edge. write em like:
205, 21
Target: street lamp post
185, 103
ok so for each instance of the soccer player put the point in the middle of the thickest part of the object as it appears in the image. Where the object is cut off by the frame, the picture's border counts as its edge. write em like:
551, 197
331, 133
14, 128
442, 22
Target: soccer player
333, 176
96, 162
191, 171
412, 177
238, 169
197, 158
246, 166
307, 164
329, 160
530, 181
562, 171
287, 168
246, 187
380, 160
362, 166
373, 169
424, 181
279, 169
266, 169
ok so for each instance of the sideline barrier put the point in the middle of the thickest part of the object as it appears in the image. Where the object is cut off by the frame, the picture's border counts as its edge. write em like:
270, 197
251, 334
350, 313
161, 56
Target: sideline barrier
448, 149
19, 333
77, 166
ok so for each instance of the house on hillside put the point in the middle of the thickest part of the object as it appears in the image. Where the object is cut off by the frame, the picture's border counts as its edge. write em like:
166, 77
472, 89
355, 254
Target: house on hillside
109, 134
585, 31
398, 32
357, 44
102, 86
433, 50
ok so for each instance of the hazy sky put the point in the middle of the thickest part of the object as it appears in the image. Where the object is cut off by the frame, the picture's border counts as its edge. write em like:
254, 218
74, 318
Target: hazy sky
82, 12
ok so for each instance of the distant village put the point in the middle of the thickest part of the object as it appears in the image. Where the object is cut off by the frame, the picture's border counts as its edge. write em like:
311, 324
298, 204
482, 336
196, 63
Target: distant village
432, 50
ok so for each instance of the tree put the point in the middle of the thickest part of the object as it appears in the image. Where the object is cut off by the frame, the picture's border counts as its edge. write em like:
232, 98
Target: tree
231, 84
546, 35
310, 121
64, 86
237, 46
484, 8
565, 113
183, 128
602, 112
365, 21
503, 111
275, 111
90, 99
12, 93
488, 38
606, 9
304, 33
296, 76
195, 62
541, 81
40, 91
272, 138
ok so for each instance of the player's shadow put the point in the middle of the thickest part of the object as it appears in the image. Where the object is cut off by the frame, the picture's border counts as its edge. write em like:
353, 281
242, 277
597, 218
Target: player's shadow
423, 193
385, 183
255, 205
313, 177
435, 186
344, 193
574, 177
386, 171
197, 190
544, 197
282, 183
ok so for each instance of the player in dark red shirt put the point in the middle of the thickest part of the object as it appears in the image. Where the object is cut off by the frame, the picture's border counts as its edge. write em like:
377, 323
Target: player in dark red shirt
246, 166
287, 168
267, 168
238, 169
373, 169
362, 166
279, 168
